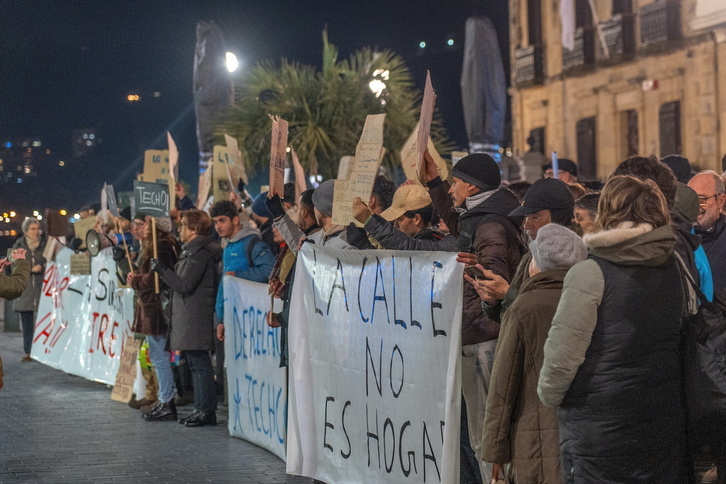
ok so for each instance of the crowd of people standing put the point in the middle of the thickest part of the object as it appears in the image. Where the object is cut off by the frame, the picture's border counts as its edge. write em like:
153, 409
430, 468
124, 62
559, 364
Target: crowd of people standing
575, 305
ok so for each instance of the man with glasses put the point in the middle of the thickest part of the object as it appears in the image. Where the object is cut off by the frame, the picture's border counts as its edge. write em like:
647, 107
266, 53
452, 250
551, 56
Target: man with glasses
710, 225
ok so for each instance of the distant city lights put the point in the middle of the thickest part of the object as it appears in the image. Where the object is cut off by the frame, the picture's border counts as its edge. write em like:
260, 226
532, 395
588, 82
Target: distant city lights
422, 44
450, 42
61, 163
63, 212
133, 98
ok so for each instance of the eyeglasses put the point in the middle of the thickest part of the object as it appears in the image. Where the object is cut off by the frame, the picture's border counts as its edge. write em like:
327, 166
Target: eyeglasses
702, 200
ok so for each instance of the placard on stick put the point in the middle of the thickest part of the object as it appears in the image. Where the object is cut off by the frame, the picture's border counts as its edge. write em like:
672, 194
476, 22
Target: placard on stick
424, 123
151, 199
124, 386
363, 173
278, 155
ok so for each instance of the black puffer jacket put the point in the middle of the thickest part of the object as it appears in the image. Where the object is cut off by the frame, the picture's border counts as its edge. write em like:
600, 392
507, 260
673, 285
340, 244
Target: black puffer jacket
486, 232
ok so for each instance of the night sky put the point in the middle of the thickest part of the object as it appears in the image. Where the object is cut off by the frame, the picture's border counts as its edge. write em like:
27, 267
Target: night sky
70, 64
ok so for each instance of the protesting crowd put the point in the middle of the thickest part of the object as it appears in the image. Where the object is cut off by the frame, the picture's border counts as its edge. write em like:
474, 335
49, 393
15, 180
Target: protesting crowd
587, 316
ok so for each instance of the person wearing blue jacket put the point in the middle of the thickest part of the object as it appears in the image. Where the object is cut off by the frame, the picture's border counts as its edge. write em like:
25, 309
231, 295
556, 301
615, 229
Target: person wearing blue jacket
245, 254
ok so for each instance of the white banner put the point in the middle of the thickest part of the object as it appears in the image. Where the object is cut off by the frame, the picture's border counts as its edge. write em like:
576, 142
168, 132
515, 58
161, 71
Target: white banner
82, 321
375, 382
256, 385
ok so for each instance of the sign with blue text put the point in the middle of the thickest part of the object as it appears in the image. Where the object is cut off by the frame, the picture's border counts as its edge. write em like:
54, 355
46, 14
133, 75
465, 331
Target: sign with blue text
151, 199
375, 379
257, 386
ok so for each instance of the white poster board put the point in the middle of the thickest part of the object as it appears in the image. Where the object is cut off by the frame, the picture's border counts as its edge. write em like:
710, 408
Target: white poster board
375, 383
82, 321
256, 385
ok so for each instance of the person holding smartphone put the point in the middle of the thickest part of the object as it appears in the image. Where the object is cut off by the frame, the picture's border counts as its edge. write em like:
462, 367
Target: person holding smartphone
12, 286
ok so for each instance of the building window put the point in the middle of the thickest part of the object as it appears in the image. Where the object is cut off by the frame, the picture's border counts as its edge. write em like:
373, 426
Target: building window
669, 124
622, 6
631, 135
536, 140
534, 22
586, 149
583, 14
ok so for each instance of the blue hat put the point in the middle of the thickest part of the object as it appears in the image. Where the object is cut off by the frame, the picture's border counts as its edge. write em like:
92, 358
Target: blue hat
258, 206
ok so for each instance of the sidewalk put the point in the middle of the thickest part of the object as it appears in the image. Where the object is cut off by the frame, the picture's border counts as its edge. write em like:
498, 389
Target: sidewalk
59, 428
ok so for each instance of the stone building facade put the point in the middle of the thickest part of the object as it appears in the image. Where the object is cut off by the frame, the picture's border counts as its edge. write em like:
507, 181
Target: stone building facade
659, 86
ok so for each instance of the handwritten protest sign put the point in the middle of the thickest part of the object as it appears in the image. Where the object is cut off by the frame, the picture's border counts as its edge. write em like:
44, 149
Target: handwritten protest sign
221, 179
363, 174
374, 378
123, 388
156, 166
345, 167
236, 165
205, 186
278, 155
424, 124
257, 386
151, 199
82, 320
80, 264
409, 158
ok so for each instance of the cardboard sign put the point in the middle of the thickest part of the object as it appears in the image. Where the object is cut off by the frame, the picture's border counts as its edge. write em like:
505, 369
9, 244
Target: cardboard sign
205, 185
345, 167
278, 156
457, 155
409, 158
123, 388
220, 177
363, 175
300, 184
151, 199
81, 264
237, 166
424, 123
156, 166
173, 160
81, 228
374, 345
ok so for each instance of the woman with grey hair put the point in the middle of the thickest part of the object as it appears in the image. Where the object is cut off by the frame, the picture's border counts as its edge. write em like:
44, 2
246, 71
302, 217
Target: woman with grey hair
518, 429
27, 303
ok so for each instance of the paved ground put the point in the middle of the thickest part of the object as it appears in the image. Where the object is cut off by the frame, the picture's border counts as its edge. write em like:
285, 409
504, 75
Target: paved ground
60, 428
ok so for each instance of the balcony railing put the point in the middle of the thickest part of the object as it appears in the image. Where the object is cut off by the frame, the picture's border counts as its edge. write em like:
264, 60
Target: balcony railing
659, 22
528, 65
619, 34
584, 52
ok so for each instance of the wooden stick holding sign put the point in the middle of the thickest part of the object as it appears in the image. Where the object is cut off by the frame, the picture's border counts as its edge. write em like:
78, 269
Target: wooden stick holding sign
424, 123
152, 199
278, 156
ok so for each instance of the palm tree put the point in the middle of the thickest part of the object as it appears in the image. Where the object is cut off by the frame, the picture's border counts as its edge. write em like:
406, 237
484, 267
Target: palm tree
326, 110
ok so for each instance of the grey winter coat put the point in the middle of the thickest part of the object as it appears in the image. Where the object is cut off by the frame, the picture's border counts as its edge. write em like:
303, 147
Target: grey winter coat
194, 282
28, 300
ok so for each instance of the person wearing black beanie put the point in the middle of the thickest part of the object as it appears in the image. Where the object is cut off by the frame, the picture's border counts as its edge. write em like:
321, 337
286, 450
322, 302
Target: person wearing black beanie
475, 209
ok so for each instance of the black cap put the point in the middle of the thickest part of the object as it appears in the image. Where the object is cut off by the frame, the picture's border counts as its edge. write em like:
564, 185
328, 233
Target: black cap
126, 213
564, 164
545, 194
480, 170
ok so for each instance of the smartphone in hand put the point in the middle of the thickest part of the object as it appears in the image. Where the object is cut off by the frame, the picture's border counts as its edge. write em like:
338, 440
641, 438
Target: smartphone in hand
474, 272
10, 255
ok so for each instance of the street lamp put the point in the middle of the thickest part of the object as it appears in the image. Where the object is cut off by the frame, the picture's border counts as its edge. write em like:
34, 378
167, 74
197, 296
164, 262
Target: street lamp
231, 62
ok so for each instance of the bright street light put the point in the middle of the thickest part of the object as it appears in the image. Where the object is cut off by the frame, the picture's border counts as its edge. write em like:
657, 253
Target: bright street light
231, 62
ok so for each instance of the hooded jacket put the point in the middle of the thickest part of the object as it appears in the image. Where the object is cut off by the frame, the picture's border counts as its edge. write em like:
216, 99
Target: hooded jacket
485, 231
517, 427
612, 360
235, 259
